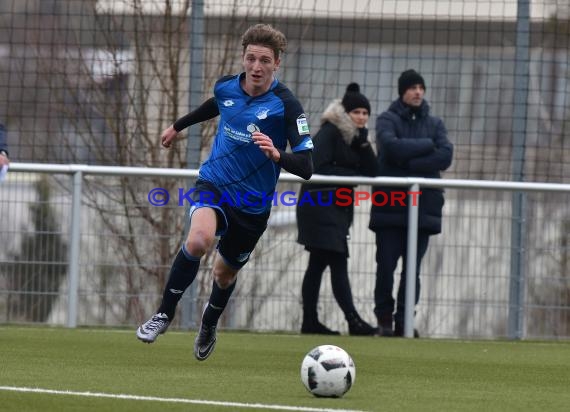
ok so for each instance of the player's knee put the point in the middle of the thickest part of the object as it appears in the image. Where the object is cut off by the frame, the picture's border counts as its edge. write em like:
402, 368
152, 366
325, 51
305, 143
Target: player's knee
223, 279
198, 244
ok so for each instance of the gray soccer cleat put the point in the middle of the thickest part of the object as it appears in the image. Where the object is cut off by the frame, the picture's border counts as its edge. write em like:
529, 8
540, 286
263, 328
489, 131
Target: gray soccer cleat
149, 331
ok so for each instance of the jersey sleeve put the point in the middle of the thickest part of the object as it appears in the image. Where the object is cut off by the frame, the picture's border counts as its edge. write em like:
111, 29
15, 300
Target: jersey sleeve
207, 110
297, 126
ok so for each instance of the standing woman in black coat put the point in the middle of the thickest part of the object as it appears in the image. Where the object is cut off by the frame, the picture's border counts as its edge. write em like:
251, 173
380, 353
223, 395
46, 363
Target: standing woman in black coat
410, 142
341, 148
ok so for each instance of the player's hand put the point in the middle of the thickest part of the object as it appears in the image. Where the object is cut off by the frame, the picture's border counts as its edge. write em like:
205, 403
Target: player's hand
265, 143
168, 137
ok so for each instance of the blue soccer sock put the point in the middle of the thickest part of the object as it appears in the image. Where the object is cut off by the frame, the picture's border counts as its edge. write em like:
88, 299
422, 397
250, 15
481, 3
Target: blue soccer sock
182, 274
218, 301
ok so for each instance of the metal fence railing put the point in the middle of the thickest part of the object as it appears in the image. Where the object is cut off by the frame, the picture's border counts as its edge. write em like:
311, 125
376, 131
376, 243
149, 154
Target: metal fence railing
95, 82
76, 253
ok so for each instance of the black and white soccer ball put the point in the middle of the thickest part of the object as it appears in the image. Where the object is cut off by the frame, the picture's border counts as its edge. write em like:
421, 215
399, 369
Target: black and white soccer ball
328, 371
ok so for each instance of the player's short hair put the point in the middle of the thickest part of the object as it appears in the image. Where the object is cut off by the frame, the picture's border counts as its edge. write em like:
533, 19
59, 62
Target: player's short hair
265, 35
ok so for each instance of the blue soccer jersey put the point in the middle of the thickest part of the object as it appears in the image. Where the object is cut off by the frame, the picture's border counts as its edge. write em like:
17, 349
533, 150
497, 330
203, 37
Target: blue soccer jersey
236, 166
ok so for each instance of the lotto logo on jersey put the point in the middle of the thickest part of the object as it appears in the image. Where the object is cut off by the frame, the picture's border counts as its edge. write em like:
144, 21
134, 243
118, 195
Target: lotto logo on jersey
302, 125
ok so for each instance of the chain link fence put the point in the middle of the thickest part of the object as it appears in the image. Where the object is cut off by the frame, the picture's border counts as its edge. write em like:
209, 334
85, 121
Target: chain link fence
95, 82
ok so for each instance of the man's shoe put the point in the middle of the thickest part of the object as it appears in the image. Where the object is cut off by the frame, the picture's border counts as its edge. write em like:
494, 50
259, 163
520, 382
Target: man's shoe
385, 321
385, 331
317, 328
149, 331
358, 327
205, 342
399, 330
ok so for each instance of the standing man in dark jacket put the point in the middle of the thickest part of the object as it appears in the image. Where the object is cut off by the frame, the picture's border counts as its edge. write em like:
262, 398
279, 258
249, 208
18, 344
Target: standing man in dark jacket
341, 148
410, 142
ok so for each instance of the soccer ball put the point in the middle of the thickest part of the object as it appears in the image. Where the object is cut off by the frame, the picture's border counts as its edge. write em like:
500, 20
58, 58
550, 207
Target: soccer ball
328, 371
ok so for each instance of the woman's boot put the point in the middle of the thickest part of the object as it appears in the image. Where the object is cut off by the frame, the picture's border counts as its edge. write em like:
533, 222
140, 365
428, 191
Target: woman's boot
358, 327
312, 325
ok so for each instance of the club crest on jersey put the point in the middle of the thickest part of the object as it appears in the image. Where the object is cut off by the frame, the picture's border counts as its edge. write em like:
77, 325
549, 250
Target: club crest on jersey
302, 125
252, 127
228, 103
262, 113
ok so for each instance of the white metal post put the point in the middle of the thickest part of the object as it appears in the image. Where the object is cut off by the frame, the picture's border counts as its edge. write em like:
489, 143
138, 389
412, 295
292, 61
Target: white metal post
412, 249
518, 230
74, 239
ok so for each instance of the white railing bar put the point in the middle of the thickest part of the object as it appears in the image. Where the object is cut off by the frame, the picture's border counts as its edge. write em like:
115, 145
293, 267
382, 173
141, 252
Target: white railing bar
287, 177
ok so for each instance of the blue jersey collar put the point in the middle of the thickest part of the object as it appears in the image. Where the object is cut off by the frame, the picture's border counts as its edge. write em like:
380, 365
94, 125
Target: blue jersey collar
241, 76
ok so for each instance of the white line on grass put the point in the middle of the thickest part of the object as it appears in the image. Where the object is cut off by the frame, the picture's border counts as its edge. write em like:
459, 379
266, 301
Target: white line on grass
173, 400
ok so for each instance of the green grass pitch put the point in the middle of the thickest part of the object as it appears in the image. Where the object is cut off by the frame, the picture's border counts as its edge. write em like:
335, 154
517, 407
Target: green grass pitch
252, 372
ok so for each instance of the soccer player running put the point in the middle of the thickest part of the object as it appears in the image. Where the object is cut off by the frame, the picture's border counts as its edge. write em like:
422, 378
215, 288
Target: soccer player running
258, 115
